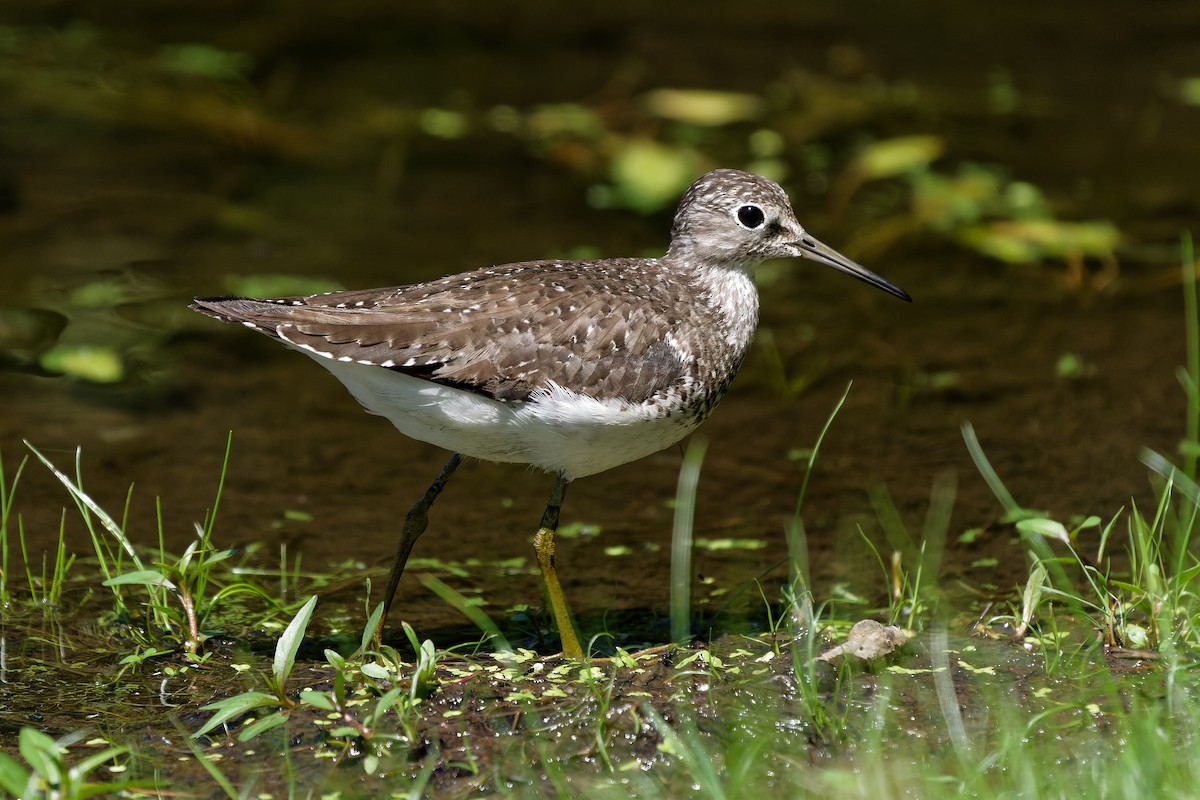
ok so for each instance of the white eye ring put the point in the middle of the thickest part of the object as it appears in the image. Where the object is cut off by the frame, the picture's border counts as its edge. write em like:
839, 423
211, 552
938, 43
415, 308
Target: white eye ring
750, 216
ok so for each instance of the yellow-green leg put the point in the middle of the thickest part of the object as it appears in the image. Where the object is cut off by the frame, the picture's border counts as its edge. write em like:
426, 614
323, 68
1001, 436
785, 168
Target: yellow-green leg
414, 525
543, 544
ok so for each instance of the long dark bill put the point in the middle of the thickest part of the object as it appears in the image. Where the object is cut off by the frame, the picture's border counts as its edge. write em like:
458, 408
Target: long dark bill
824, 254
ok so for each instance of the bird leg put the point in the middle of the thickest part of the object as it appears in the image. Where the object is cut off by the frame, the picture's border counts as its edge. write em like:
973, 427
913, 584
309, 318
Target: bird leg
414, 525
543, 545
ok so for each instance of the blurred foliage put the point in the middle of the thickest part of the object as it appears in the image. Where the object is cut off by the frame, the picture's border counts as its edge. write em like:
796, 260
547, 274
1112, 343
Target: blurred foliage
276, 285
648, 176
900, 156
96, 364
975, 206
1073, 367
1189, 91
104, 330
702, 107
76, 73
114, 328
205, 60
443, 123
634, 147
1024, 241
26, 333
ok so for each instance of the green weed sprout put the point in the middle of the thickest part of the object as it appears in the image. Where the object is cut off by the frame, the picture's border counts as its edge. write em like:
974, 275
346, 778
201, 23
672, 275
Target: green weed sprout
49, 775
281, 668
186, 578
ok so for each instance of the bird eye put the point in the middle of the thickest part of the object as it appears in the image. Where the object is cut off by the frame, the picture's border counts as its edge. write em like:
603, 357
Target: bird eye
751, 216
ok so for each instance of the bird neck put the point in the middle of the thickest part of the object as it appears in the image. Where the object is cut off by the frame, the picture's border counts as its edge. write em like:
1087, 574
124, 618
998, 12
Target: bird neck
685, 254
730, 295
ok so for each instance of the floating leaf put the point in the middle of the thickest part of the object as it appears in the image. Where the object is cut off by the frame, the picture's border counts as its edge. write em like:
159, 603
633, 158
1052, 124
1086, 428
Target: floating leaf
559, 120
576, 529
1071, 366
100, 294
702, 106
945, 201
1022, 241
1189, 91
87, 362
730, 544
443, 123
891, 157
205, 60
970, 535
649, 176
898, 670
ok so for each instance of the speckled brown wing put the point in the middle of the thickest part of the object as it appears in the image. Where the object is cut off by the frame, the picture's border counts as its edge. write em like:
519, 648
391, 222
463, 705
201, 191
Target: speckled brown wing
601, 330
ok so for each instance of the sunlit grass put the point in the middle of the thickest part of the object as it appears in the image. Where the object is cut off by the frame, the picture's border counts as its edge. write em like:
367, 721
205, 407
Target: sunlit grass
737, 716
7, 493
177, 602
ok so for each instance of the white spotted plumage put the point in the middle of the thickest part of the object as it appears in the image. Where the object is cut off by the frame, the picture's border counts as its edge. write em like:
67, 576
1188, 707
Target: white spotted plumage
570, 366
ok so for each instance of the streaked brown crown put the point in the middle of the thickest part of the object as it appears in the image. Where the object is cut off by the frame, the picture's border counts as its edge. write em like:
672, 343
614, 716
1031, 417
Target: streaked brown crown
709, 227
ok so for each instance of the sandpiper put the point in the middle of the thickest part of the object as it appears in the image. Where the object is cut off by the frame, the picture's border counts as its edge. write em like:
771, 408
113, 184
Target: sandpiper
573, 367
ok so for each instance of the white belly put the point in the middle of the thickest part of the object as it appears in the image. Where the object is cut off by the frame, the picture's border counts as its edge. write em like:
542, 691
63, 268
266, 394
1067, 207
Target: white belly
558, 430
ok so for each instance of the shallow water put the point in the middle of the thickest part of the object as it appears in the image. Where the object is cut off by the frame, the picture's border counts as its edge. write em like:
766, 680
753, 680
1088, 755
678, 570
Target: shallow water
158, 198
127, 188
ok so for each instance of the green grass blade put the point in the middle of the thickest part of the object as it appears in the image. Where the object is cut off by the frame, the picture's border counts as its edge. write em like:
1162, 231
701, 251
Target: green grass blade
13, 778
794, 532
1013, 511
212, 514
468, 610
1191, 442
289, 643
89, 763
235, 706
369, 631
86, 502
142, 577
262, 725
209, 767
7, 492
688, 745
40, 752
816, 448
1159, 464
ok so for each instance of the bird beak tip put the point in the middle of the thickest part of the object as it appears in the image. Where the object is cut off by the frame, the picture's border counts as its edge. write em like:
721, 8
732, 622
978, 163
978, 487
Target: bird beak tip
813, 249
